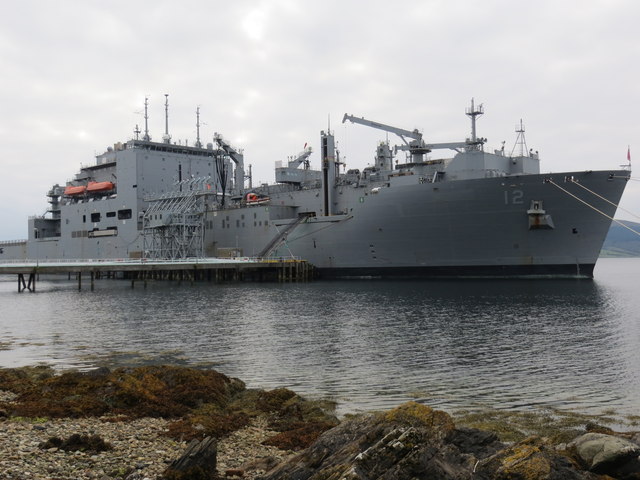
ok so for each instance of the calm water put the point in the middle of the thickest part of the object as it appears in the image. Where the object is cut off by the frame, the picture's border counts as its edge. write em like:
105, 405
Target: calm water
367, 344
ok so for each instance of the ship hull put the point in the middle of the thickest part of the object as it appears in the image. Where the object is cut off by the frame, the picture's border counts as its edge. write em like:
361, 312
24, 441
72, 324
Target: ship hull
584, 271
474, 228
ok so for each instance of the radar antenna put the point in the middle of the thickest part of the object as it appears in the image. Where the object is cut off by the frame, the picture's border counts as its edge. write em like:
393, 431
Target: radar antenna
137, 131
521, 143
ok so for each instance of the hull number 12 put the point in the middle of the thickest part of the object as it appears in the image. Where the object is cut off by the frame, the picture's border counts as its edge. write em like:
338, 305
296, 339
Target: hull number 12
513, 197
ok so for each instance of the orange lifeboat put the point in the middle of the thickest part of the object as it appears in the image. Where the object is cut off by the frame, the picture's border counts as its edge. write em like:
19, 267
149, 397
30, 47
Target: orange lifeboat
253, 199
74, 190
100, 186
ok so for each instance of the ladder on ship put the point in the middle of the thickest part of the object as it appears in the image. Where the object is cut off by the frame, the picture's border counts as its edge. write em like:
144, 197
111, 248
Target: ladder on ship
282, 235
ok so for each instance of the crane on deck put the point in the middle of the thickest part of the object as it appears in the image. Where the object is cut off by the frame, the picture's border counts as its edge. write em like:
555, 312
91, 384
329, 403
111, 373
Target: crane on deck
237, 157
417, 146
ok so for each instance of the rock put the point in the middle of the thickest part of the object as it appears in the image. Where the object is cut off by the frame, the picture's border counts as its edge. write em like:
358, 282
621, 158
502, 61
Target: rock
476, 442
530, 459
598, 449
77, 443
299, 435
416, 442
607, 454
592, 427
199, 461
261, 464
234, 472
134, 476
411, 441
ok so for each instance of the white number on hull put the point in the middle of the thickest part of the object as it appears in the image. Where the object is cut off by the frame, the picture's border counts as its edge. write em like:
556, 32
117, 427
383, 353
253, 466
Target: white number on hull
513, 197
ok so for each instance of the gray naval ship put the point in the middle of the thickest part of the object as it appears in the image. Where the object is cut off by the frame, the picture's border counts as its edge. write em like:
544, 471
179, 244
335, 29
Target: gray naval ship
472, 214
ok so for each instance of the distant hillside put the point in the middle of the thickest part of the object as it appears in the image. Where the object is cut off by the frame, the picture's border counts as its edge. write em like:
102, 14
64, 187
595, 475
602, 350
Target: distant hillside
621, 242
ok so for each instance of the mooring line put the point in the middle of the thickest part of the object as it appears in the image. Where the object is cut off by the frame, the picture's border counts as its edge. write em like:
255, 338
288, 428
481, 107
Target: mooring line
626, 178
605, 199
592, 207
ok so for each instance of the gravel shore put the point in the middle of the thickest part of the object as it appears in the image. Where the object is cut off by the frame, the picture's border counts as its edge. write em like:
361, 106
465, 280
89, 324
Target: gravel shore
55, 425
140, 450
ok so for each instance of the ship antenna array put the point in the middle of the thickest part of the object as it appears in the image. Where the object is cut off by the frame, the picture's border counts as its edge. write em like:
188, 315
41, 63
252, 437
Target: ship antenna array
146, 137
198, 142
474, 112
167, 137
520, 140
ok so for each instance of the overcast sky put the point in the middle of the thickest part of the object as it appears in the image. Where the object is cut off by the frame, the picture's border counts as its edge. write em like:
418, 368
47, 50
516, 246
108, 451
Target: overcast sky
269, 75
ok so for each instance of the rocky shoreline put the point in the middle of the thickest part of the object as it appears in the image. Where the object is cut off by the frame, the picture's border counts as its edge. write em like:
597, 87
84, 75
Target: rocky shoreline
141, 449
134, 423
146, 416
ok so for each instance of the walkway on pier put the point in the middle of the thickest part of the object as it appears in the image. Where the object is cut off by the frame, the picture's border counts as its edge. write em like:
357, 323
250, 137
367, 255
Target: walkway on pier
193, 269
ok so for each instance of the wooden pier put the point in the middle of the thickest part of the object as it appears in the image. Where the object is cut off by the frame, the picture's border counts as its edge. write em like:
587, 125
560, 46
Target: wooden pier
216, 270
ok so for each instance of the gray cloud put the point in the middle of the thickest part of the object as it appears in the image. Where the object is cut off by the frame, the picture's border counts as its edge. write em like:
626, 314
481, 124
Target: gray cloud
269, 75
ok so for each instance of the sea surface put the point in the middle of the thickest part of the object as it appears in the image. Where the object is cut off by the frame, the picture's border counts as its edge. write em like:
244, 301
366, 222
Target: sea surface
453, 344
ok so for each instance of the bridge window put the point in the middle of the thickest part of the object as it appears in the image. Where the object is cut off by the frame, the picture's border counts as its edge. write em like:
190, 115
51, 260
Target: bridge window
125, 214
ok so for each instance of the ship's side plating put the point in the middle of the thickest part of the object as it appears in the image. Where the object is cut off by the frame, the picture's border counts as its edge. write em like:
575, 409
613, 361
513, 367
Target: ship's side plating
480, 227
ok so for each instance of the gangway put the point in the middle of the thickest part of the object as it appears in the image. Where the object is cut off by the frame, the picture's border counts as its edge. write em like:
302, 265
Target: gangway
282, 235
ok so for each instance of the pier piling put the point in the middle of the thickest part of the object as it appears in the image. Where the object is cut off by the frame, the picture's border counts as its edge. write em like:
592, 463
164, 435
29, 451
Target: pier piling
212, 270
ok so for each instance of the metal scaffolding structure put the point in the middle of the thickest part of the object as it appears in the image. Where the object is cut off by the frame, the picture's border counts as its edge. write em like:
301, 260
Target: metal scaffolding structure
173, 224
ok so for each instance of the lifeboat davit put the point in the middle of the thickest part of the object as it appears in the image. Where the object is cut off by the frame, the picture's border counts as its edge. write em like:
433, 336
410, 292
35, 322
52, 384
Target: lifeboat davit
74, 190
100, 186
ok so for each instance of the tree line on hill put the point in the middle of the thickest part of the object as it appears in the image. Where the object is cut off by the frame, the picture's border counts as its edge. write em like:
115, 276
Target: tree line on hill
622, 242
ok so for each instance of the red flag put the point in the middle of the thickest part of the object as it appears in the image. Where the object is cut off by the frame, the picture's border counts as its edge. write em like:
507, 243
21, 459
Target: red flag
629, 154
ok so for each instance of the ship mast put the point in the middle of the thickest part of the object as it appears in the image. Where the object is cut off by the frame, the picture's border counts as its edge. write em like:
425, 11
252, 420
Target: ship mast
166, 138
520, 141
146, 137
474, 112
198, 142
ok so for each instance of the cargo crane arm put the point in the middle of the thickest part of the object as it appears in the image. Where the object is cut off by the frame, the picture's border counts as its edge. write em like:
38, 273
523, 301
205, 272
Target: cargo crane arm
402, 133
301, 158
236, 156
417, 145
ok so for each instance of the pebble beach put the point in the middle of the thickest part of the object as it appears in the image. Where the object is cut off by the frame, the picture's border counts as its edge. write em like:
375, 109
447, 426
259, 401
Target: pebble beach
140, 449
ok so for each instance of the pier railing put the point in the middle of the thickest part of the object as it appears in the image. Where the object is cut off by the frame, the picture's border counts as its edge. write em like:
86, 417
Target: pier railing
12, 242
191, 269
145, 261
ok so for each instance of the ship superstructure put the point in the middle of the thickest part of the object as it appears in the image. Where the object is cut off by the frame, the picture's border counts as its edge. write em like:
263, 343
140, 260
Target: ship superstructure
475, 213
